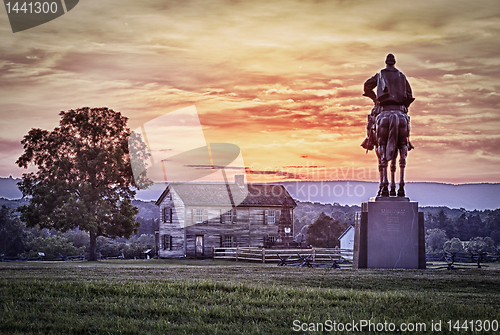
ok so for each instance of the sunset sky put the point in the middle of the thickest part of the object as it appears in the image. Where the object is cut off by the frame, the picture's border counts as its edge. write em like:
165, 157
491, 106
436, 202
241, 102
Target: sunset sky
283, 80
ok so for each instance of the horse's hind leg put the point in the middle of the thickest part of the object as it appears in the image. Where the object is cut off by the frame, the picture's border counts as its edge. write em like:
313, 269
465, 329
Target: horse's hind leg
384, 182
393, 182
402, 165
382, 168
381, 174
404, 132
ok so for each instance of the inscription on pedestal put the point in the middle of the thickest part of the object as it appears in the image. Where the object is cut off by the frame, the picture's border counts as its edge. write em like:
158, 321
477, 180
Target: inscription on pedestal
393, 218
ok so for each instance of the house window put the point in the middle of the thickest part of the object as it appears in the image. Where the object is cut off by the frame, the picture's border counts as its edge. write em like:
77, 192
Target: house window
167, 214
198, 215
228, 216
261, 216
270, 216
225, 216
227, 242
167, 242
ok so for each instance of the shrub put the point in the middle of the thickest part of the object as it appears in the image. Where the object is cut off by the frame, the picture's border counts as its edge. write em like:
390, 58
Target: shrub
453, 245
53, 246
435, 239
481, 244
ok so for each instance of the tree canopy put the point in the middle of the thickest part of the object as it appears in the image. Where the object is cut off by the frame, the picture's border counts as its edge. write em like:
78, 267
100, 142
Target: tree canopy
435, 239
324, 232
84, 177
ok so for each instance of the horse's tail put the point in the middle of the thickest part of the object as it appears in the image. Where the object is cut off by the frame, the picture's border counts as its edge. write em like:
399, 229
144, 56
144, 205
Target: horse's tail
392, 139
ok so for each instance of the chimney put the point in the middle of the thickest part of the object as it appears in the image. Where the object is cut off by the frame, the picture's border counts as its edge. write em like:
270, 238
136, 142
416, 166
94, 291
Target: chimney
239, 180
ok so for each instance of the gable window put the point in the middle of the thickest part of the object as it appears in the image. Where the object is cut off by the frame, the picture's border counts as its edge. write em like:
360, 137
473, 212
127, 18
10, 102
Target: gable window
167, 242
167, 214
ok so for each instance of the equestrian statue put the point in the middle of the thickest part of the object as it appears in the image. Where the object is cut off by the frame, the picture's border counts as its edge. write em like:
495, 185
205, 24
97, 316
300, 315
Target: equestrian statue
388, 126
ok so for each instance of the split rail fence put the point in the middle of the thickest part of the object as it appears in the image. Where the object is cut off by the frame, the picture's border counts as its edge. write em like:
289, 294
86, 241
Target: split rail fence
458, 260
264, 255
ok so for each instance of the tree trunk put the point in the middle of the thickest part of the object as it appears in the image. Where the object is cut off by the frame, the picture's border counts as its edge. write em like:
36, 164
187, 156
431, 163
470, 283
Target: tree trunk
93, 246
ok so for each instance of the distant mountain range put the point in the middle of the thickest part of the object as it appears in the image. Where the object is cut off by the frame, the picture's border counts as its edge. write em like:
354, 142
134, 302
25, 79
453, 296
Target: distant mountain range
468, 196
9, 189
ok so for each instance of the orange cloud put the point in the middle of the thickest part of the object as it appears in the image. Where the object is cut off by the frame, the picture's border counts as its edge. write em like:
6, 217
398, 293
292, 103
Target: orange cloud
281, 79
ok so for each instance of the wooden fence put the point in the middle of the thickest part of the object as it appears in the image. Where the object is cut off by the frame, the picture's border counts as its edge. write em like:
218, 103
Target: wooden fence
264, 255
456, 260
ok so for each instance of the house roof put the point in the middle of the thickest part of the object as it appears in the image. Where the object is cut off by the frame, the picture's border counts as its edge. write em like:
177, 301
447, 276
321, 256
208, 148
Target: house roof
221, 194
351, 226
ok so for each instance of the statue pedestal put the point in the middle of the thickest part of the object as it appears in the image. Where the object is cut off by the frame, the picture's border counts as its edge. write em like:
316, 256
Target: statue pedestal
389, 235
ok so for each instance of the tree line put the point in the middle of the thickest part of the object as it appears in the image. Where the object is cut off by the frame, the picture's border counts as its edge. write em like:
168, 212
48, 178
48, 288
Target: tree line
19, 241
446, 229
477, 231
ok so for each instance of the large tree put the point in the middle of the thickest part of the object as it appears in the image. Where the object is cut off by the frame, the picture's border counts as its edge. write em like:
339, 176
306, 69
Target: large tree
84, 177
324, 232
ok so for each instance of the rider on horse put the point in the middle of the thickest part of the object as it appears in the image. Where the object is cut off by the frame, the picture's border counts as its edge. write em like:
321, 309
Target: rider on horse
388, 124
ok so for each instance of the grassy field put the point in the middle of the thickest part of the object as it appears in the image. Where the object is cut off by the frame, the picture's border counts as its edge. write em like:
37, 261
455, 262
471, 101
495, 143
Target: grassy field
207, 297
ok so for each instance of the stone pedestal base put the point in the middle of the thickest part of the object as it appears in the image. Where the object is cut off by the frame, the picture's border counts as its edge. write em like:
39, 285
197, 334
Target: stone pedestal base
389, 235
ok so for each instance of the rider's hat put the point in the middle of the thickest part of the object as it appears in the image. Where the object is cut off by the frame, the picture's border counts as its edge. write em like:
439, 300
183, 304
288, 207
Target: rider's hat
390, 59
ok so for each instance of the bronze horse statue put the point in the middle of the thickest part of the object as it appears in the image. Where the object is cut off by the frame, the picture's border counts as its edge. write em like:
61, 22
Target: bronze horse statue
388, 132
389, 124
